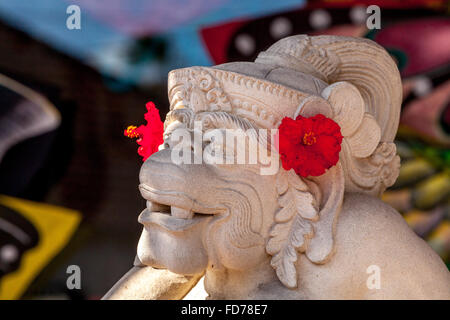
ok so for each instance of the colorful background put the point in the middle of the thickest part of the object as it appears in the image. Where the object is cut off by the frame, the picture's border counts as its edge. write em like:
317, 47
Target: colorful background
68, 177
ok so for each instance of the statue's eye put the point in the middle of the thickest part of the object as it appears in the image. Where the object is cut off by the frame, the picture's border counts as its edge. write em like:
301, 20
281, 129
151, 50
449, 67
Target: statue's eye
169, 135
213, 146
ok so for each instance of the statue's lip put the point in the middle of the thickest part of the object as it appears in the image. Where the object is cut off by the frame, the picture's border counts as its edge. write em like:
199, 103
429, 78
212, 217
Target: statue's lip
158, 199
167, 221
177, 199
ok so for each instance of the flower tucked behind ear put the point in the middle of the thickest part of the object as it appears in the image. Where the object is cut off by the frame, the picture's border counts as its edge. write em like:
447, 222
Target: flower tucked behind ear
309, 145
150, 136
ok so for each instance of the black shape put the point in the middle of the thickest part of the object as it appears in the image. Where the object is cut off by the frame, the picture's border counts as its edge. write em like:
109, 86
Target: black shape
17, 231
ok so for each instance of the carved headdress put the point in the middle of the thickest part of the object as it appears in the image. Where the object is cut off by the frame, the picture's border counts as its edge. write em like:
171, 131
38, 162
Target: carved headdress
354, 81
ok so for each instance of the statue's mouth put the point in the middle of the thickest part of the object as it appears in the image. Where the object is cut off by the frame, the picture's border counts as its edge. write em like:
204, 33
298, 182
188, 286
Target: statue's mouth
172, 210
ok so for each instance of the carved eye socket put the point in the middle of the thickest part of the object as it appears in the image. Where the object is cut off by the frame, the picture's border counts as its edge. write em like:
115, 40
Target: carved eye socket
168, 133
165, 145
214, 147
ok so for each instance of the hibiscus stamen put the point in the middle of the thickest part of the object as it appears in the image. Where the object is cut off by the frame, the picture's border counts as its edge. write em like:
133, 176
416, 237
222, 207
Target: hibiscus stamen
131, 132
309, 138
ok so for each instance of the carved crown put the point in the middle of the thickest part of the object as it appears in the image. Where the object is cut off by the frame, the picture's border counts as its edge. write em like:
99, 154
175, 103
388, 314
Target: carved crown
210, 89
298, 53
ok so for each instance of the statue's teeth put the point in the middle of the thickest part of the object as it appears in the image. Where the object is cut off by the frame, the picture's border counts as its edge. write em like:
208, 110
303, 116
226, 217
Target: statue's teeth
156, 207
181, 213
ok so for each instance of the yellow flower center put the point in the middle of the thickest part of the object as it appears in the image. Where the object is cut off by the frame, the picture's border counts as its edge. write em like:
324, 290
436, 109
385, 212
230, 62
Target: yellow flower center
131, 132
309, 138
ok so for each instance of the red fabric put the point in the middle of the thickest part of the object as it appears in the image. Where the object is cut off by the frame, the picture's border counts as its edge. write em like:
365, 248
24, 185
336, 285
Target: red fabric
217, 38
309, 145
150, 136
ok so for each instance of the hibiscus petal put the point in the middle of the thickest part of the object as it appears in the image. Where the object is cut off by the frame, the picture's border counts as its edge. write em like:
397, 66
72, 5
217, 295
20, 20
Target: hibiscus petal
328, 147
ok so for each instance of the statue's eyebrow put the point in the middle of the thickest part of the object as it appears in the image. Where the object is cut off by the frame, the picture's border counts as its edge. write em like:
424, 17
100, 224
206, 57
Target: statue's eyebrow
184, 115
211, 120
223, 120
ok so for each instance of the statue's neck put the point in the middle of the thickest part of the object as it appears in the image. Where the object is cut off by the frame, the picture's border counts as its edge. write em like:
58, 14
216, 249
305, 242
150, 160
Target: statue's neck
259, 283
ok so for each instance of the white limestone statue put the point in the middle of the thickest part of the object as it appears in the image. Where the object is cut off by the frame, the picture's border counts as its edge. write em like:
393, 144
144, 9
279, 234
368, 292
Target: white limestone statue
281, 235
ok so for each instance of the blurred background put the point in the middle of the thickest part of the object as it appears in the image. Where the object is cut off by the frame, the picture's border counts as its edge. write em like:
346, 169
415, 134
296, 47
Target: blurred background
69, 87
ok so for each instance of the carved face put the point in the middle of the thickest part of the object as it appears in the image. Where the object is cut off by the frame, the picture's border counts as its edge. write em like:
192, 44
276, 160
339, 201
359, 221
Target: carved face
201, 215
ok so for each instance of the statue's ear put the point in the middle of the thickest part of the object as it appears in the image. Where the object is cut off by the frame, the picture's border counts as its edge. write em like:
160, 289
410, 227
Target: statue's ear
305, 221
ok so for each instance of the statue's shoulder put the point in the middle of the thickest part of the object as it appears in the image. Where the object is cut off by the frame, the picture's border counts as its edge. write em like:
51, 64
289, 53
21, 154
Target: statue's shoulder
371, 214
377, 235
370, 221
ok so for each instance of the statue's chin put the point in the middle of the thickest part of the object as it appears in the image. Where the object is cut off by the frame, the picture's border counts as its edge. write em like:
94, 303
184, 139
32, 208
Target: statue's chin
179, 252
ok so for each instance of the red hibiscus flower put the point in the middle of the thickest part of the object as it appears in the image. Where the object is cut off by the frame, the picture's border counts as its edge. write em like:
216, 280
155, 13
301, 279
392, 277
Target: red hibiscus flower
309, 145
150, 136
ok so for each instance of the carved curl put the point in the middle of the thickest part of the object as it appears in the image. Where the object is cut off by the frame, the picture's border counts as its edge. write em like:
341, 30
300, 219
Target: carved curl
305, 222
292, 229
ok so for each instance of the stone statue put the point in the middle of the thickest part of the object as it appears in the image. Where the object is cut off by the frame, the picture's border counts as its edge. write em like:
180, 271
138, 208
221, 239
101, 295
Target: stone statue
282, 235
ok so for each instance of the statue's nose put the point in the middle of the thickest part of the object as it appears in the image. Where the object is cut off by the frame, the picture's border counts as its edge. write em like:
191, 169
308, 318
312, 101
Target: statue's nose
159, 171
162, 156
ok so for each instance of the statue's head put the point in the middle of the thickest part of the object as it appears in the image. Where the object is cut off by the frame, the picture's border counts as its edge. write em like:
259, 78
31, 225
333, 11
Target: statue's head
239, 214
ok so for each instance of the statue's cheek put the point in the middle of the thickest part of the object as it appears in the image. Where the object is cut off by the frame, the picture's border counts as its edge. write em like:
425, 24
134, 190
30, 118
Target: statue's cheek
232, 255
